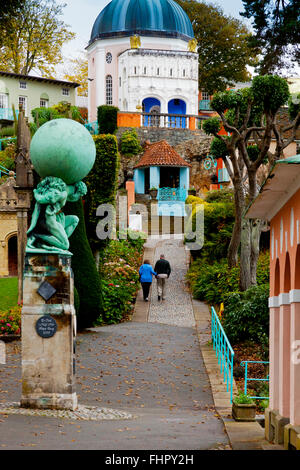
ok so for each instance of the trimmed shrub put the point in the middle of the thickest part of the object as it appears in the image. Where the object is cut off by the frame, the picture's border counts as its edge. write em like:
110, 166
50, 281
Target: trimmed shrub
246, 315
218, 225
101, 183
86, 277
129, 143
223, 195
215, 282
107, 119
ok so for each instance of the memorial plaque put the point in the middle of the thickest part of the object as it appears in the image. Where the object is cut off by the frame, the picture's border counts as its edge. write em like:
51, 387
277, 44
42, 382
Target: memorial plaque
46, 326
46, 290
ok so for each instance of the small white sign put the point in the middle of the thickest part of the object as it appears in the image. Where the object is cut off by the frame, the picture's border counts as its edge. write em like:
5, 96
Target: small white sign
135, 222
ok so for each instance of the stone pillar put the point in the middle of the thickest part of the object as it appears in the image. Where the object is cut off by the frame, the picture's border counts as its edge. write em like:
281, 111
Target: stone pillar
295, 365
274, 357
48, 333
284, 358
22, 220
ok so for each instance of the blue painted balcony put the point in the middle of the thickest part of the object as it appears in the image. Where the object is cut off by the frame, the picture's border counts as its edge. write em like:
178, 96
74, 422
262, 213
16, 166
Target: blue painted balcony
204, 105
7, 114
171, 201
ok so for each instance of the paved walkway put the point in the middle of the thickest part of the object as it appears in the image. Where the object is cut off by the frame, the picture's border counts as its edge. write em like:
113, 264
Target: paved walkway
153, 372
177, 309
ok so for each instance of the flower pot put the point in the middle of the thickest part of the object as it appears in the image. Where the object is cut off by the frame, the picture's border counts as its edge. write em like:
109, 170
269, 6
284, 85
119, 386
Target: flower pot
153, 193
243, 411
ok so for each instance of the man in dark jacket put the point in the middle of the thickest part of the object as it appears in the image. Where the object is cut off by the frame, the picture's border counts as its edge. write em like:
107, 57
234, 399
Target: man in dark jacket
163, 271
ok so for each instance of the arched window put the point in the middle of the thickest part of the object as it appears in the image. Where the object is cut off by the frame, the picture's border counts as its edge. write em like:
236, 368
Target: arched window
109, 90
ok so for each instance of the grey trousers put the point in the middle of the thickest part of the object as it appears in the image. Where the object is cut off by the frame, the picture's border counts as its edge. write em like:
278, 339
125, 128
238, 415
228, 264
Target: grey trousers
161, 285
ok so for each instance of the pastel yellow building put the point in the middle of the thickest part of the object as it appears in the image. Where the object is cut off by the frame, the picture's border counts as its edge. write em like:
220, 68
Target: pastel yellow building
8, 229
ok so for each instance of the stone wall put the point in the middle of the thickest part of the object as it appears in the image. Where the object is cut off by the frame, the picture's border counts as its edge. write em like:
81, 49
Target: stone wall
155, 134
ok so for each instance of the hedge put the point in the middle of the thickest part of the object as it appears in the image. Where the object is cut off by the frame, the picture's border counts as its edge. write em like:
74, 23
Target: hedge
101, 183
107, 119
86, 277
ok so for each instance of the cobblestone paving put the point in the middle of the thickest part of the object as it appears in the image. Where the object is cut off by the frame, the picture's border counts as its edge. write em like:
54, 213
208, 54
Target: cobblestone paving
91, 413
177, 309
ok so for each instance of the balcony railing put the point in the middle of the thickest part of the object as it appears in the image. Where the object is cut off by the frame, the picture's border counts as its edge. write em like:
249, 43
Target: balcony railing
172, 194
170, 121
204, 105
7, 114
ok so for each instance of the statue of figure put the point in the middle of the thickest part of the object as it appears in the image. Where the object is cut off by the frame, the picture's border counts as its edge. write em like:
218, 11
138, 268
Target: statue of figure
192, 45
135, 42
50, 229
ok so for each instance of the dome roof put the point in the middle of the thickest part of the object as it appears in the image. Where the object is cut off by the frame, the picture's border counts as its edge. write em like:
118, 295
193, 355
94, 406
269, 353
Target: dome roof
161, 18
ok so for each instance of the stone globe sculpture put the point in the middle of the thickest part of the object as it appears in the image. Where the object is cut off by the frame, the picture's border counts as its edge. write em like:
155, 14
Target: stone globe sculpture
62, 152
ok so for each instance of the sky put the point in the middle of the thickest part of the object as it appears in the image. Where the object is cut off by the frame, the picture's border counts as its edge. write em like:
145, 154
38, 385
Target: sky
81, 14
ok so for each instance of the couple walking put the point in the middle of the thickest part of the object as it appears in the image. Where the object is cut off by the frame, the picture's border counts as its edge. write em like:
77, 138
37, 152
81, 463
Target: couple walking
162, 271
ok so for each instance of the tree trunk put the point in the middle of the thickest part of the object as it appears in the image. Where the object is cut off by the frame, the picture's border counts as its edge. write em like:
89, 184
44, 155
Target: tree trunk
245, 261
251, 230
239, 202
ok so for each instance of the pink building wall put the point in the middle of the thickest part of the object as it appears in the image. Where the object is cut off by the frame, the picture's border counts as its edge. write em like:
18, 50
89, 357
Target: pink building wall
285, 311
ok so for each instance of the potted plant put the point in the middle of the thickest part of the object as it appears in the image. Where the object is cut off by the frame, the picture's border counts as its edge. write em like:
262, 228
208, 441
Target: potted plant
153, 192
192, 191
243, 408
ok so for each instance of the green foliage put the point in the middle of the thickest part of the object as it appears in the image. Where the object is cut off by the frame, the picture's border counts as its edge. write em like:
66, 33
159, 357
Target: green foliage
59, 111
242, 399
276, 31
214, 282
101, 183
86, 276
7, 132
120, 262
226, 100
212, 126
271, 91
246, 315
225, 195
32, 37
76, 300
107, 119
7, 161
294, 106
211, 281
8, 292
130, 144
218, 224
218, 148
10, 321
223, 46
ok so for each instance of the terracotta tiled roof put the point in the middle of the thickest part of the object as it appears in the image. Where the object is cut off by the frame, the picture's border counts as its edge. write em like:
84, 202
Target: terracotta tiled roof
161, 154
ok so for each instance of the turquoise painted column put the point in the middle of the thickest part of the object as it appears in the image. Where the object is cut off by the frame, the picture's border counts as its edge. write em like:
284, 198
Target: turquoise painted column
154, 176
184, 178
139, 181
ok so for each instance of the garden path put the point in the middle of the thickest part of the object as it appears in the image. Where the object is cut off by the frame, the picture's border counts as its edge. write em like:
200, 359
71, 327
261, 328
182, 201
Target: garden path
151, 371
177, 309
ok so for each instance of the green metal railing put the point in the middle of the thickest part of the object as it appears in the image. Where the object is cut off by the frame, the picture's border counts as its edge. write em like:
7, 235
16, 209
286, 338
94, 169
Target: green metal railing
247, 379
3, 171
224, 351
